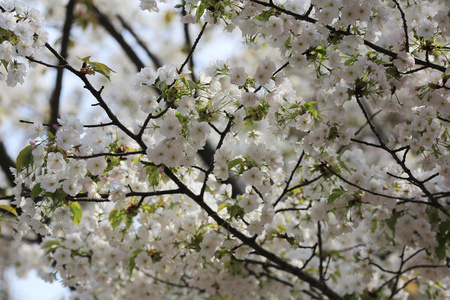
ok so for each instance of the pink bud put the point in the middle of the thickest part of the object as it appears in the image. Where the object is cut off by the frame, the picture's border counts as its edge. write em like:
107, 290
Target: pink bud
33, 144
161, 170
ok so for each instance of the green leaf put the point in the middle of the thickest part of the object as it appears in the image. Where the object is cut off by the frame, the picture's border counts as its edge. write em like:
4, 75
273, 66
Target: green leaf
336, 193
154, 178
235, 211
440, 250
443, 238
9, 209
60, 195
392, 221
102, 69
36, 191
98, 67
75, 208
128, 220
222, 206
193, 85
24, 159
50, 135
200, 11
86, 59
152, 208
133, 260
50, 244
115, 218
234, 163
343, 166
4, 63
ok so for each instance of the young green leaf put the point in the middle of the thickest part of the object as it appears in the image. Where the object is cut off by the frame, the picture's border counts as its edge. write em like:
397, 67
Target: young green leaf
98, 67
133, 259
24, 159
75, 208
115, 218
36, 191
222, 206
9, 209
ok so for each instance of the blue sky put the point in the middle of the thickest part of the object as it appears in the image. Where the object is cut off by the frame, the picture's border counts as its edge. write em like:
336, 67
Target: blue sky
34, 288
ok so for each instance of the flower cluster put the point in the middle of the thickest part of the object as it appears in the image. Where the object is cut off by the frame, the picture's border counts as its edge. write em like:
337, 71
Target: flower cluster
239, 184
20, 36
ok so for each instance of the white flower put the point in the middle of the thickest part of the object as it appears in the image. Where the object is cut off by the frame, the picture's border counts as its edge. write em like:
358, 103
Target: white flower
253, 177
7, 21
168, 73
149, 5
7, 51
24, 31
62, 256
222, 155
249, 99
50, 182
267, 213
62, 214
147, 76
265, 71
304, 122
16, 75
404, 61
72, 187
143, 260
209, 244
318, 212
65, 139
119, 194
249, 202
170, 126
426, 29
298, 61
35, 130
96, 165
73, 241
77, 168
148, 104
189, 19
186, 105
221, 170
55, 161
274, 26
257, 151
71, 123
299, 44
199, 131
238, 76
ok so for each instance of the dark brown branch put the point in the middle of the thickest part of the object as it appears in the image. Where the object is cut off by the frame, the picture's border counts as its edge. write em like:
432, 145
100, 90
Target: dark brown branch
56, 95
405, 26
105, 154
286, 188
109, 27
347, 33
191, 51
188, 43
85, 126
319, 243
400, 162
6, 163
251, 242
150, 54
291, 209
171, 284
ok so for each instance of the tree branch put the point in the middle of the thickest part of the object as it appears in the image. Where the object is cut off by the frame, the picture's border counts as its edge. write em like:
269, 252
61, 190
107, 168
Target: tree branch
56, 95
